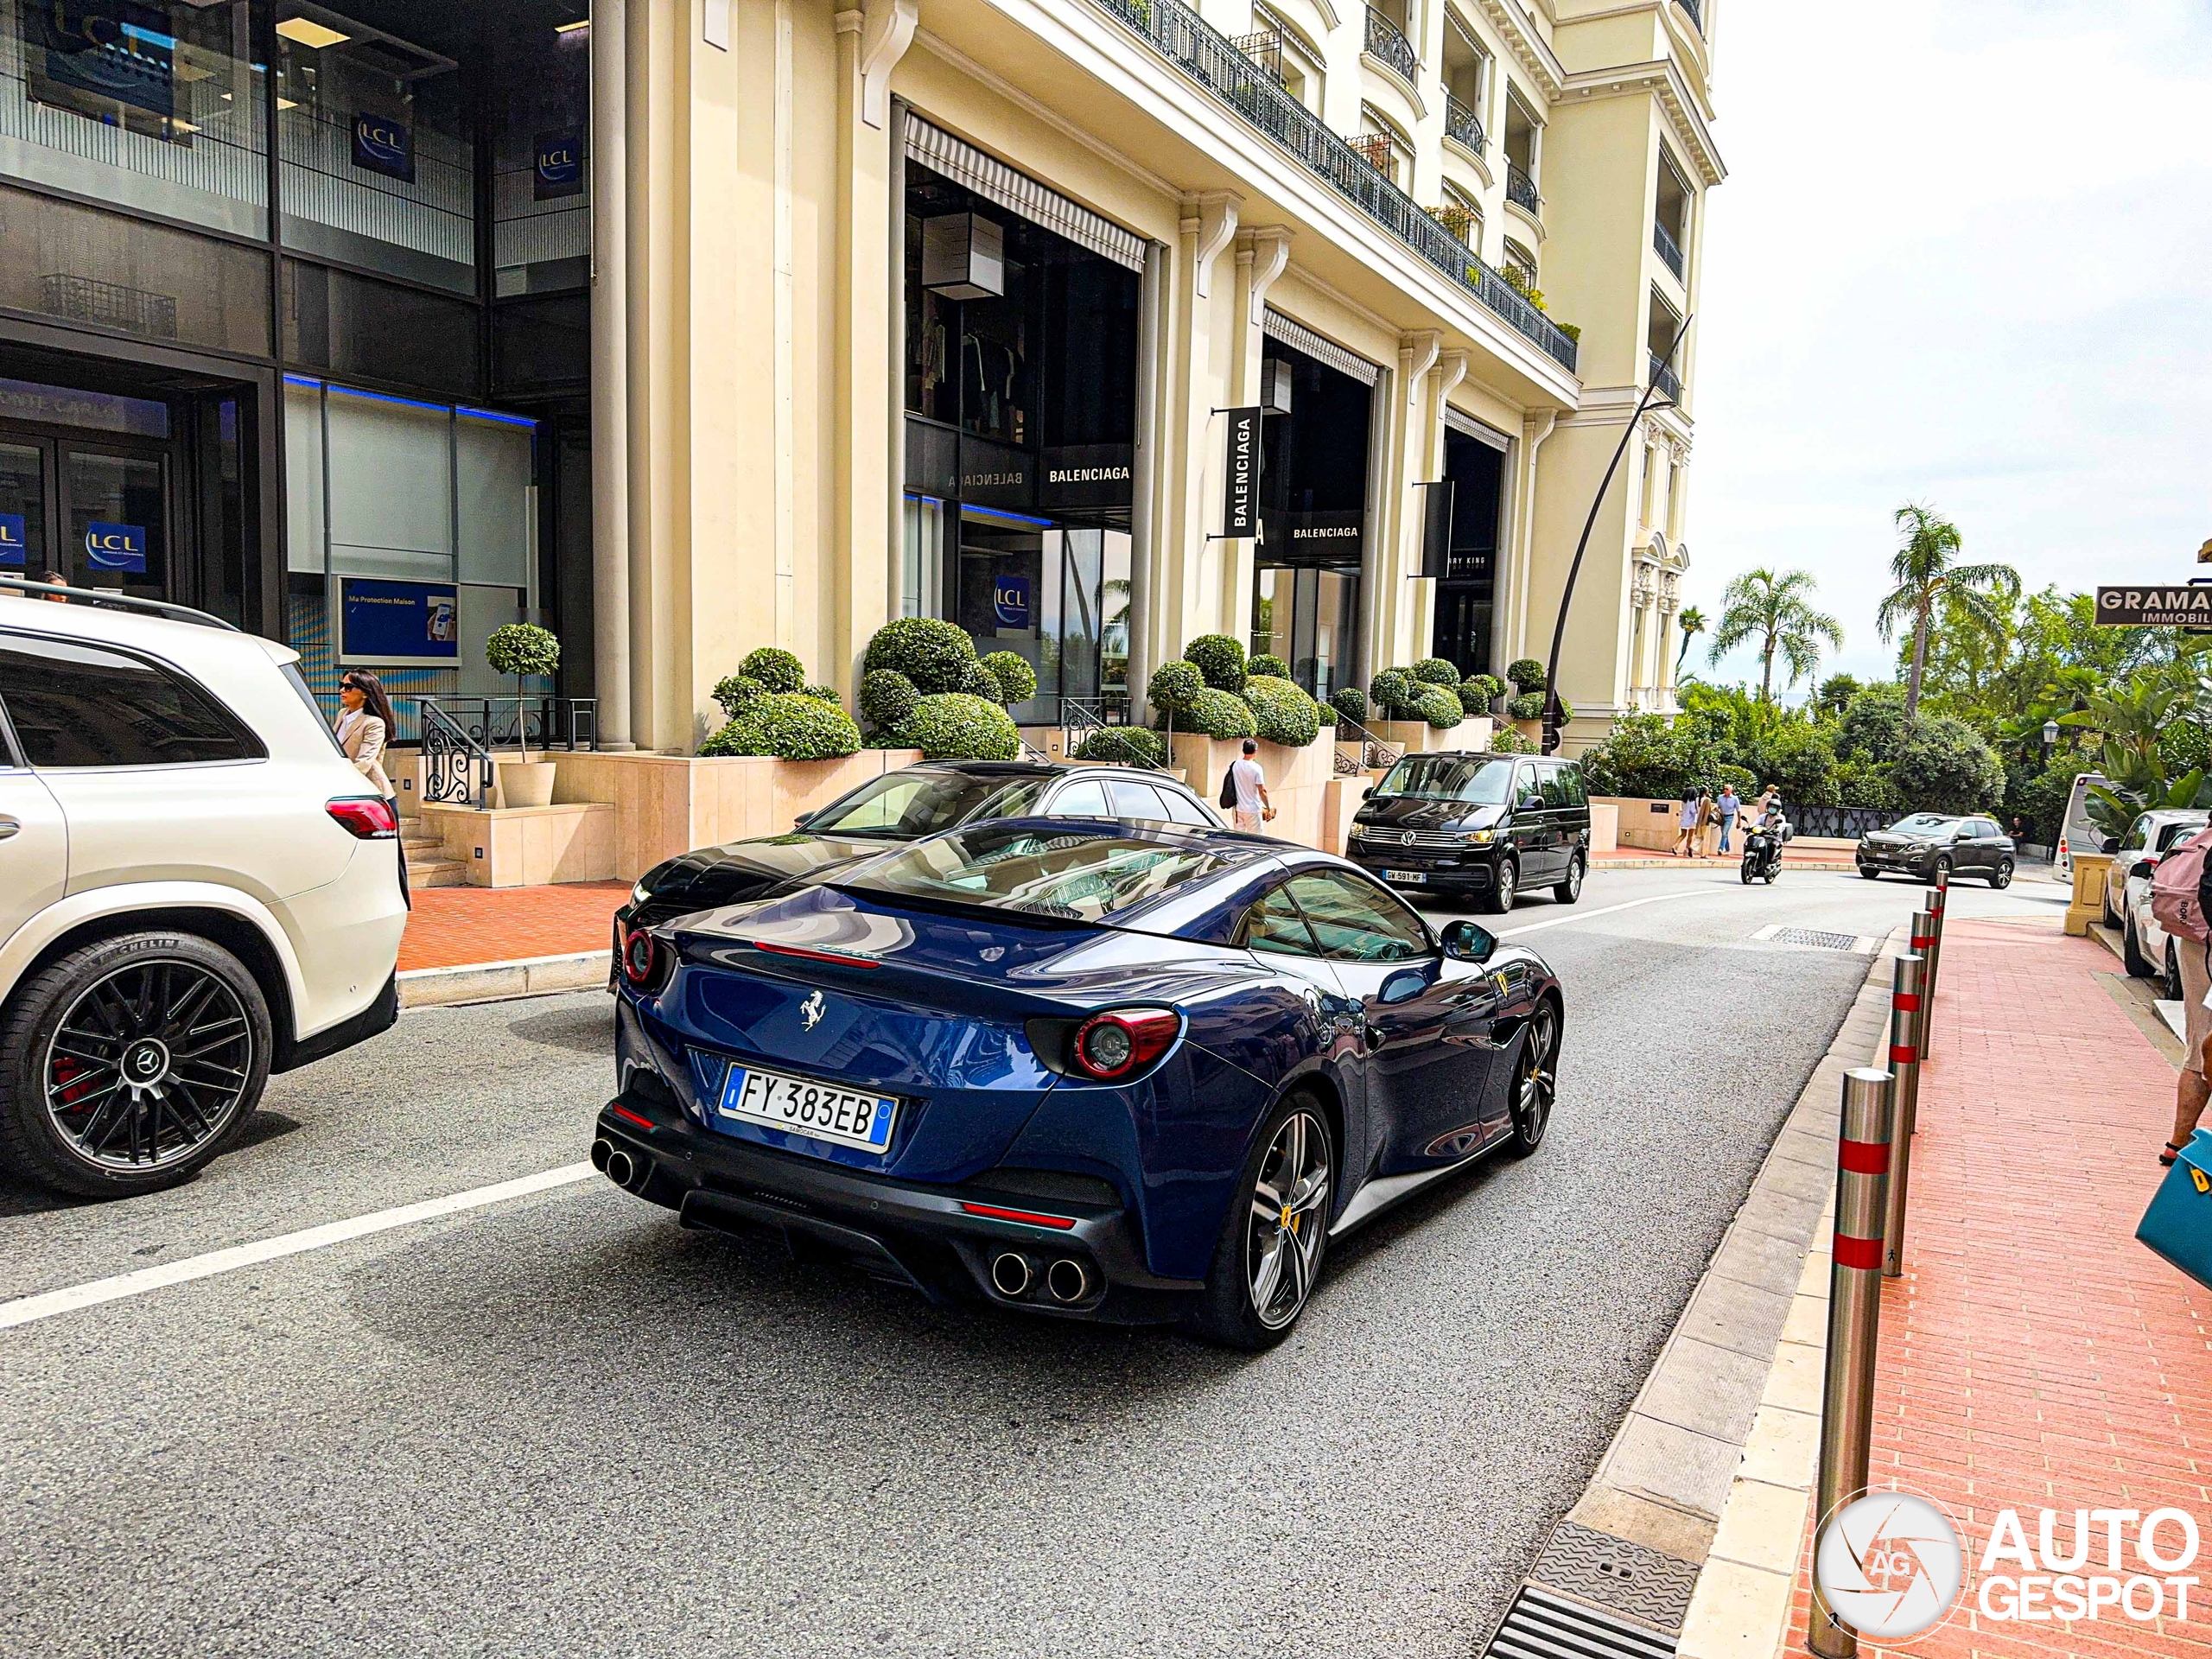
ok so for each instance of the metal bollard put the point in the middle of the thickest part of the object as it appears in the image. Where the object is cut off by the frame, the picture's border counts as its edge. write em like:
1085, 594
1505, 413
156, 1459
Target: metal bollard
1904, 1107
1854, 1319
1923, 946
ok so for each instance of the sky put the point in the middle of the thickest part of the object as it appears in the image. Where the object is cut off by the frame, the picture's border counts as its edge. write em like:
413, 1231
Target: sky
1963, 255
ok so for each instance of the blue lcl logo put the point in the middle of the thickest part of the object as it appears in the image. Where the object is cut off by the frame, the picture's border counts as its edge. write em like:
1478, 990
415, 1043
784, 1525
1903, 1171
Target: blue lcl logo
560, 165
12, 541
1010, 602
115, 547
383, 145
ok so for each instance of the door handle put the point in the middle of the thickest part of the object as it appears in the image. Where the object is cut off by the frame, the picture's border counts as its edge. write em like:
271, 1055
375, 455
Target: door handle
9, 826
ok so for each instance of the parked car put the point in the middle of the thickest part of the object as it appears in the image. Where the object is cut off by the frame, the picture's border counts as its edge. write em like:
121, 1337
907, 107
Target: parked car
1131, 1072
1470, 825
900, 806
2148, 836
2077, 830
196, 889
2148, 951
1928, 842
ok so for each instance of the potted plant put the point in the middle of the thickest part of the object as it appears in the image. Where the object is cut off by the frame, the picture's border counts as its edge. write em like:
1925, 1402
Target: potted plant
522, 649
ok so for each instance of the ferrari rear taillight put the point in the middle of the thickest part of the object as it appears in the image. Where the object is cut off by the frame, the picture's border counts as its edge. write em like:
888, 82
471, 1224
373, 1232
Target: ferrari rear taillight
1124, 1041
367, 816
643, 960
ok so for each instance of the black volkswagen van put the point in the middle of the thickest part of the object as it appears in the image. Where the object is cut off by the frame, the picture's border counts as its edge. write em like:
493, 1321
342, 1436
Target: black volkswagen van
1462, 826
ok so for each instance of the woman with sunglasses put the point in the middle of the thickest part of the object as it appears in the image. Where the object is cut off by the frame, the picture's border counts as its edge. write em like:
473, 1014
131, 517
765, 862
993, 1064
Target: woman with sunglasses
364, 725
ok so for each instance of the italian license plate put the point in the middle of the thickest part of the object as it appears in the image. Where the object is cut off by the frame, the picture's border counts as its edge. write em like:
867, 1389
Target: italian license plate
1415, 877
821, 1111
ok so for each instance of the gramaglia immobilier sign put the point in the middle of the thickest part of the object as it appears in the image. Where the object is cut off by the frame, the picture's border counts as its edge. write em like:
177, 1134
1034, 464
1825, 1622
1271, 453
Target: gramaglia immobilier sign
2181, 606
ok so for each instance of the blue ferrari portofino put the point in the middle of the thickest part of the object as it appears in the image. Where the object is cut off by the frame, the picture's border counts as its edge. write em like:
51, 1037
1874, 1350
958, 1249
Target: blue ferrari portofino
1092, 1068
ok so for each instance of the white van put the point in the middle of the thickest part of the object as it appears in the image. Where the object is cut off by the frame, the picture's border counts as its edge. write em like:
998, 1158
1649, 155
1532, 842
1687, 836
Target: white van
2075, 829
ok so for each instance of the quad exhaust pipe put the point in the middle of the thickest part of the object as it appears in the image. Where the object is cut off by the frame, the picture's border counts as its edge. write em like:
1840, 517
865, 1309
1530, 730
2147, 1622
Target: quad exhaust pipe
617, 1165
1012, 1273
1068, 1280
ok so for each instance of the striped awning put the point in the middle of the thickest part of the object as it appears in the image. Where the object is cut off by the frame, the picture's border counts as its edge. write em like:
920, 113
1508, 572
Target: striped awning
1040, 204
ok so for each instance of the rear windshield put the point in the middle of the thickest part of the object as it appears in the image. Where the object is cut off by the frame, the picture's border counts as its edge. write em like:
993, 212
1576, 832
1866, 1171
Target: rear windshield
1061, 871
907, 805
1450, 778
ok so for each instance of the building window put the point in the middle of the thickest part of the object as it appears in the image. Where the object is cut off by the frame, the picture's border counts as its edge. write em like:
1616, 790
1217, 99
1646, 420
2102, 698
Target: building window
1384, 145
1520, 266
1523, 153
1466, 77
1460, 214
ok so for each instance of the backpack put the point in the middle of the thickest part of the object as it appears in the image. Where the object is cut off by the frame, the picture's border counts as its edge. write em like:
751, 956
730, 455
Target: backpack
1229, 785
2177, 889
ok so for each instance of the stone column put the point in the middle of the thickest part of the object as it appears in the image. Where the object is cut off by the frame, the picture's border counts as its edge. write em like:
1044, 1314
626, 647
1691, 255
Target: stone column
610, 423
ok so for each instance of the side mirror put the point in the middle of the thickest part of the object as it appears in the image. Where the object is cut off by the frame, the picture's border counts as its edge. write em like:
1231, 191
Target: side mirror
2111, 844
1367, 794
1466, 941
1531, 800
802, 821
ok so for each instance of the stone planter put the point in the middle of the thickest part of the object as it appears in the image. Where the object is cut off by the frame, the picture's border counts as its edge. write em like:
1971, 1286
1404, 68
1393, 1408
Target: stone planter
526, 783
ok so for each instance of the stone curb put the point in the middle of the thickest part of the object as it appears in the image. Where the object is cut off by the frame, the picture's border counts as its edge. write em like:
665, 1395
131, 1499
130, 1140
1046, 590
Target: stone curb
1661, 861
1694, 1521
498, 982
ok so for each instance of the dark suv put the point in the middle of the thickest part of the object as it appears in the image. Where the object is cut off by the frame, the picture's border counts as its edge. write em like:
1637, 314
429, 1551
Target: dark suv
1476, 826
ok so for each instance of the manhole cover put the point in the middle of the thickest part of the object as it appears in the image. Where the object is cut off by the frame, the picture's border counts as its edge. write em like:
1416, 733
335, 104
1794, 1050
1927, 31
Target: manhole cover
1813, 935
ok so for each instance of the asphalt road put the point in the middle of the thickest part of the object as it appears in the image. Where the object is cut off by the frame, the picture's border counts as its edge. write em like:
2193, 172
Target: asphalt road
560, 1425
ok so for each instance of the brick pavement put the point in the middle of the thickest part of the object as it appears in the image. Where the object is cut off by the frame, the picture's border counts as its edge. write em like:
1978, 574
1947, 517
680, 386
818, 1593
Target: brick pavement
2034, 1355
453, 926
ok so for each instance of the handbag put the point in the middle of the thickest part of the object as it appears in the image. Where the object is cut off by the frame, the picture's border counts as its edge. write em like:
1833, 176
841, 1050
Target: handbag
1229, 785
2178, 1224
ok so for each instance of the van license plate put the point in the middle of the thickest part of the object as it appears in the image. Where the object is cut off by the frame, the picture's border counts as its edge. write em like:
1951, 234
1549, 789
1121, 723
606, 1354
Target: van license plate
1411, 878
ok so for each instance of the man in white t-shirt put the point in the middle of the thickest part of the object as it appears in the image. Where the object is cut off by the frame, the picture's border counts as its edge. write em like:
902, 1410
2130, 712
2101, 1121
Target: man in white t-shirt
1253, 807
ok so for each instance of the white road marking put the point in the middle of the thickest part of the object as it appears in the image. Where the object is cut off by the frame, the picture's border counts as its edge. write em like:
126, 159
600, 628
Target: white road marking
26, 1309
1607, 910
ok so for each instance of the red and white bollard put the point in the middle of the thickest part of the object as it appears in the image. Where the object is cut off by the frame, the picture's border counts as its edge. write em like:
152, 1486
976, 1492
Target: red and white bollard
1905, 1010
1925, 932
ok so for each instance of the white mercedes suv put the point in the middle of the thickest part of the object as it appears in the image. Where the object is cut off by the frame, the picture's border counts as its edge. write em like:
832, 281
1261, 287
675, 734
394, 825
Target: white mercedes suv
196, 887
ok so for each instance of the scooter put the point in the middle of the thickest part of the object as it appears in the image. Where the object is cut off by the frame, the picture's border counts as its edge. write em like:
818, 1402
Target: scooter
1763, 852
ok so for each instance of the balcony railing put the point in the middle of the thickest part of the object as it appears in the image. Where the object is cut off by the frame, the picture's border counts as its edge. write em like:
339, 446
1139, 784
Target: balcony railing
1521, 188
1696, 10
1462, 125
1669, 383
1205, 56
1387, 45
1669, 249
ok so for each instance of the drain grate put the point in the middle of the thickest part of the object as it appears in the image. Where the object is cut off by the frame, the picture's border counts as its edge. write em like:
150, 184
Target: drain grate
1813, 935
1629, 1581
1544, 1626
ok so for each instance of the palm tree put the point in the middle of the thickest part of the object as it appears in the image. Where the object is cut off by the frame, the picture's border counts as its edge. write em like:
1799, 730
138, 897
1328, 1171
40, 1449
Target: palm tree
1777, 612
1926, 575
1691, 621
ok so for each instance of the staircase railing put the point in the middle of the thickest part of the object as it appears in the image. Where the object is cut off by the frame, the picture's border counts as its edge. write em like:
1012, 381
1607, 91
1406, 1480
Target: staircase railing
456, 768
1081, 717
1374, 752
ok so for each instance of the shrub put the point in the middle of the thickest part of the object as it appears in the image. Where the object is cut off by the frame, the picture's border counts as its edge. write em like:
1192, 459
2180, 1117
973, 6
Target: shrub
1015, 681
1942, 766
1528, 674
886, 699
522, 648
737, 692
1746, 786
824, 694
1646, 756
936, 655
1325, 712
1129, 744
1175, 687
1220, 658
1872, 724
2041, 799
1266, 668
1861, 782
1351, 702
1396, 695
955, 726
1439, 706
1434, 671
1529, 705
1217, 714
1796, 760
976, 681
1281, 711
1486, 688
775, 668
790, 726
1506, 741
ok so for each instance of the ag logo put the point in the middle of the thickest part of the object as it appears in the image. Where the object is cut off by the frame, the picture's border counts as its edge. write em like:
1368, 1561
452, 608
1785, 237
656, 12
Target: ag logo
1889, 1566
810, 1011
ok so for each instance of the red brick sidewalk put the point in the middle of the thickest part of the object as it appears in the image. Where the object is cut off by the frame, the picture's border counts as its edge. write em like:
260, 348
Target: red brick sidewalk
2034, 1355
451, 927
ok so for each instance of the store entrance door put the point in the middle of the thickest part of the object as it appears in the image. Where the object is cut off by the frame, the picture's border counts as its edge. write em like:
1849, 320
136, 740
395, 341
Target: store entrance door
99, 511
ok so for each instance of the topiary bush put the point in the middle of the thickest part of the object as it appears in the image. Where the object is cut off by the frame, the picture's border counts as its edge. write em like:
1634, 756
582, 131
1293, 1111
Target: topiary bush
1529, 705
824, 694
936, 655
976, 681
886, 699
1434, 671
1440, 707
1351, 702
955, 726
736, 692
1506, 741
1281, 711
1174, 687
1268, 668
1220, 658
1325, 712
1526, 674
1125, 745
775, 668
1012, 677
789, 724
1217, 714
1396, 693
1485, 688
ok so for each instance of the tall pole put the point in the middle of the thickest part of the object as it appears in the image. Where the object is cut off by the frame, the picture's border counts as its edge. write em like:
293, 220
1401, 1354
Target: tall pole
1643, 406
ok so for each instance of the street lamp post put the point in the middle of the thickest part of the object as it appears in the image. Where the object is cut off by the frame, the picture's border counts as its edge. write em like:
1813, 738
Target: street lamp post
2049, 742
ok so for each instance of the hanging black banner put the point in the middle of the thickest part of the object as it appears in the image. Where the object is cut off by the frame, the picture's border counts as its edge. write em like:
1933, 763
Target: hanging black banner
1240, 499
1436, 527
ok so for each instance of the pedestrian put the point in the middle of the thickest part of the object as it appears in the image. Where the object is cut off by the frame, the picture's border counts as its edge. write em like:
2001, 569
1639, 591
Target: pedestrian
1730, 805
2193, 956
1685, 822
1708, 815
2019, 828
54, 578
364, 725
1246, 787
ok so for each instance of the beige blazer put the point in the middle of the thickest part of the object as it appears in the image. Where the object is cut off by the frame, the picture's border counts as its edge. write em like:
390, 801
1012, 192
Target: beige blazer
361, 735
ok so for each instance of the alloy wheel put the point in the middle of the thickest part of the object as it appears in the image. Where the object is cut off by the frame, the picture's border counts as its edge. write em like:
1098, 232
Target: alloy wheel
1536, 1086
2004, 876
1508, 880
1288, 1225
148, 1065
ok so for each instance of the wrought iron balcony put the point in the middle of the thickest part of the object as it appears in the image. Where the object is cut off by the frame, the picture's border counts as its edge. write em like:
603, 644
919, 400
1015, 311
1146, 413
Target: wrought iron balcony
1521, 188
1387, 44
1206, 57
1696, 10
1669, 383
1669, 249
1462, 125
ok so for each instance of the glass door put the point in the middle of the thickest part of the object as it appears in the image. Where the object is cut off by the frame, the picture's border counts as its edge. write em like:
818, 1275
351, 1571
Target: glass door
115, 504
24, 519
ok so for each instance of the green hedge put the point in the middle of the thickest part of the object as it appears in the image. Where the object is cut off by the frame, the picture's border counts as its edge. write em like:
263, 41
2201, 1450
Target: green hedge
1485, 688
1527, 673
1266, 667
1128, 745
954, 726
1397, 694
790, 726
1012, 677
1529, 705
1434, 671
1440, 707
1281, 711
775, 668
822, 694
1506, 741
1175, 687
936, 655
1220, 658
1351, 702
737, 692
886, 699
1217, 714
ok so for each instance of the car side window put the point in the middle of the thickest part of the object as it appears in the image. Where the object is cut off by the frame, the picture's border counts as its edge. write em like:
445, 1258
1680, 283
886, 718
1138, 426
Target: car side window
1085, 798
2138, 833
1181, 809
80, 705
1355, 920
1524, 782
1274, 925
1572, 794
1552, 785
1134, 800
